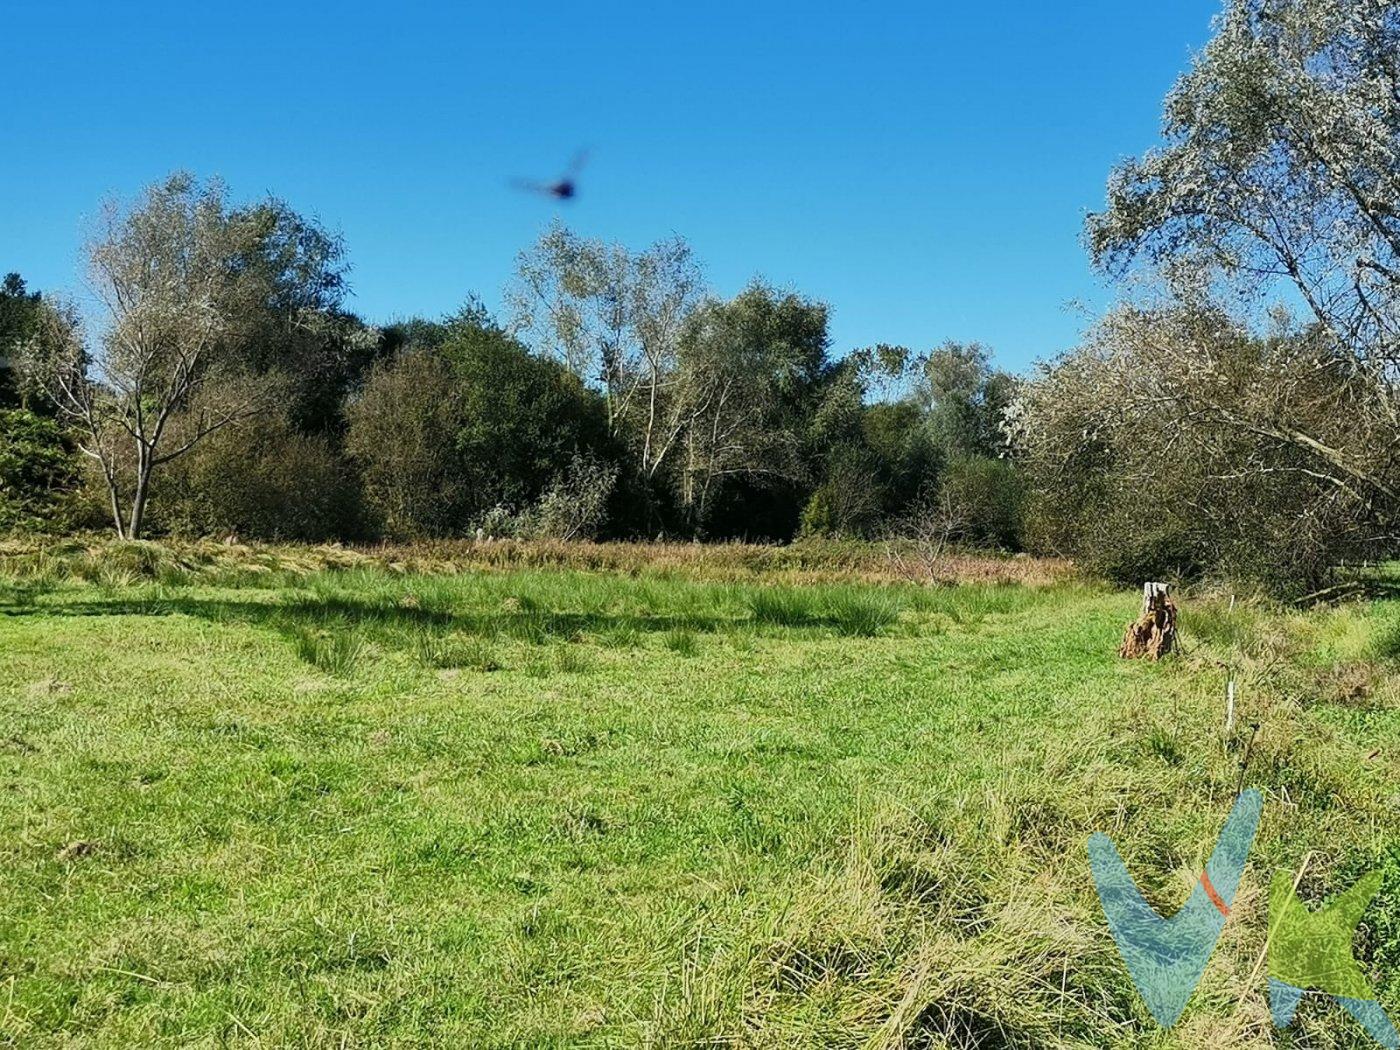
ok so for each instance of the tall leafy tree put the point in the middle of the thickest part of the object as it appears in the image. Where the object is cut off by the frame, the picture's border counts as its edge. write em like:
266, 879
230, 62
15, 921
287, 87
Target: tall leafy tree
747, 374
965, 398
615, 318
1278, 182
1281, 164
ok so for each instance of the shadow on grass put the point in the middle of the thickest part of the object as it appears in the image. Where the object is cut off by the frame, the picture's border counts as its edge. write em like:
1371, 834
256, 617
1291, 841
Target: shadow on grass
524, 624
331, 630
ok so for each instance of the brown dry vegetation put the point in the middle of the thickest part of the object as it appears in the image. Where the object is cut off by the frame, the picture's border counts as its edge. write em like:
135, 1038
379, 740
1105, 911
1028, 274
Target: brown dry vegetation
808, 561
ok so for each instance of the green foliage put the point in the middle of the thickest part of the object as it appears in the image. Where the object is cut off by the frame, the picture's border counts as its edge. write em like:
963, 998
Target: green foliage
444, 435
965, 398
38, 473
848, 503
750, 377
261, 480
523, 418
19, 316
575, 505
986, 499
402, 433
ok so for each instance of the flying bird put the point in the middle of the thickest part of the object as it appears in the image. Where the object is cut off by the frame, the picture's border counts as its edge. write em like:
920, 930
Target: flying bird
561, 189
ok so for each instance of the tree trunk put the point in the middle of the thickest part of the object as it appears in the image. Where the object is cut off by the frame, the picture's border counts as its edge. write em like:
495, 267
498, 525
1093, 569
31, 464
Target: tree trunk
1152, 634
138, 498
115, 500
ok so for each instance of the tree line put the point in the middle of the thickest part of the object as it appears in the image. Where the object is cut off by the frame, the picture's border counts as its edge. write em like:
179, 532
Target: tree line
1236, 413
226, 389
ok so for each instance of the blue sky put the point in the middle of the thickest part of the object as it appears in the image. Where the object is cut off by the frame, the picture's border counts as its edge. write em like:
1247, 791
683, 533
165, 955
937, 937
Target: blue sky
924, 168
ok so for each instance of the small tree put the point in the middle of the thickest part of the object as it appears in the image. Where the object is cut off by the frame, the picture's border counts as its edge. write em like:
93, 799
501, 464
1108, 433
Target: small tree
162, 375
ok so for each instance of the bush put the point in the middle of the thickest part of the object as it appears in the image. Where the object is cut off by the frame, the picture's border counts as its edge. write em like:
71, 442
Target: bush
1177, 444
848, 503
986, 497
38, 473
402, 434
444, 435
575, 505
263, 480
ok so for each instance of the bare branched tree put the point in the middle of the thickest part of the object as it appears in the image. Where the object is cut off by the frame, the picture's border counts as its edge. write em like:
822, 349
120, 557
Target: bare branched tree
615, 318
161, 376
919, 541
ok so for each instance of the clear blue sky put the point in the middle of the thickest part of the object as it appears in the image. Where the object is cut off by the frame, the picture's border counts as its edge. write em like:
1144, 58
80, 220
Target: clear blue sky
924, 168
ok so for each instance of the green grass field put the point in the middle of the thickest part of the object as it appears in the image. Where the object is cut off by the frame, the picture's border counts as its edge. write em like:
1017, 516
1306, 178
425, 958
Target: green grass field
256, 802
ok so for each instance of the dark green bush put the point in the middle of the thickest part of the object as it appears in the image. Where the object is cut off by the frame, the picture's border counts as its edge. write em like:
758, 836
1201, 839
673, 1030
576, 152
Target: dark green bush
444, 435
263, 480
39, 473
987, 499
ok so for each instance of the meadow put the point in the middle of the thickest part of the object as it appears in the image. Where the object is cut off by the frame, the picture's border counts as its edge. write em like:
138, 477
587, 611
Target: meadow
529, 796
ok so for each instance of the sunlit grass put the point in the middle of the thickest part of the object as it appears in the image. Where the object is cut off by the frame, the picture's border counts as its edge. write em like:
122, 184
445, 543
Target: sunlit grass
267, 801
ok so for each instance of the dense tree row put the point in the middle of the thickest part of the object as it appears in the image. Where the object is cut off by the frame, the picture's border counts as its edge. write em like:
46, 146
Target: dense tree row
226, 389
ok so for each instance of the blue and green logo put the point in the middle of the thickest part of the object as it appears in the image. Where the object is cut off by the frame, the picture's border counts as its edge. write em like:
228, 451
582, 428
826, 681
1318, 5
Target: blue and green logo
1308, 951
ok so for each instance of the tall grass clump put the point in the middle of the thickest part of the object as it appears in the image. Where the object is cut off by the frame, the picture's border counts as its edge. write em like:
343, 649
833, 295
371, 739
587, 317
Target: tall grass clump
783, 607
863, 615
336, 652
1385, 643
451, 651
681, 642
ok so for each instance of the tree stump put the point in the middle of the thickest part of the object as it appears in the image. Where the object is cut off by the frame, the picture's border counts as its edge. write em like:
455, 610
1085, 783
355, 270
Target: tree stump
1153, 633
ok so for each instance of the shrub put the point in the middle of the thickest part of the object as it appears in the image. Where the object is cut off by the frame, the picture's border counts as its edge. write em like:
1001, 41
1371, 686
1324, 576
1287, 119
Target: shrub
1176, 442
402, 433
575, 504
263, 480
986, 498
848, 503
38, 473
446, 434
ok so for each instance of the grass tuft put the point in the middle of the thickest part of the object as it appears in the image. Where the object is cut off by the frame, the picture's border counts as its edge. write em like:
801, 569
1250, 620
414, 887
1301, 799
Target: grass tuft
783, 607
681, 642
337, 652
863, 615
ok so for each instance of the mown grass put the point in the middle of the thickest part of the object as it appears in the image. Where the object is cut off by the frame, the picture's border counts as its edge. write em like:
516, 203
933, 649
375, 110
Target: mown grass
269, 803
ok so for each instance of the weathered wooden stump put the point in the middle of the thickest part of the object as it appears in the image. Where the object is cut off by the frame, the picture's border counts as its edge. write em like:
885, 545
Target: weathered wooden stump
1154, 632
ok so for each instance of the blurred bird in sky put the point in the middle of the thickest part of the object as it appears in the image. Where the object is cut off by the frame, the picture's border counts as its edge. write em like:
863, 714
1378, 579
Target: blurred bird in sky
561, 189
